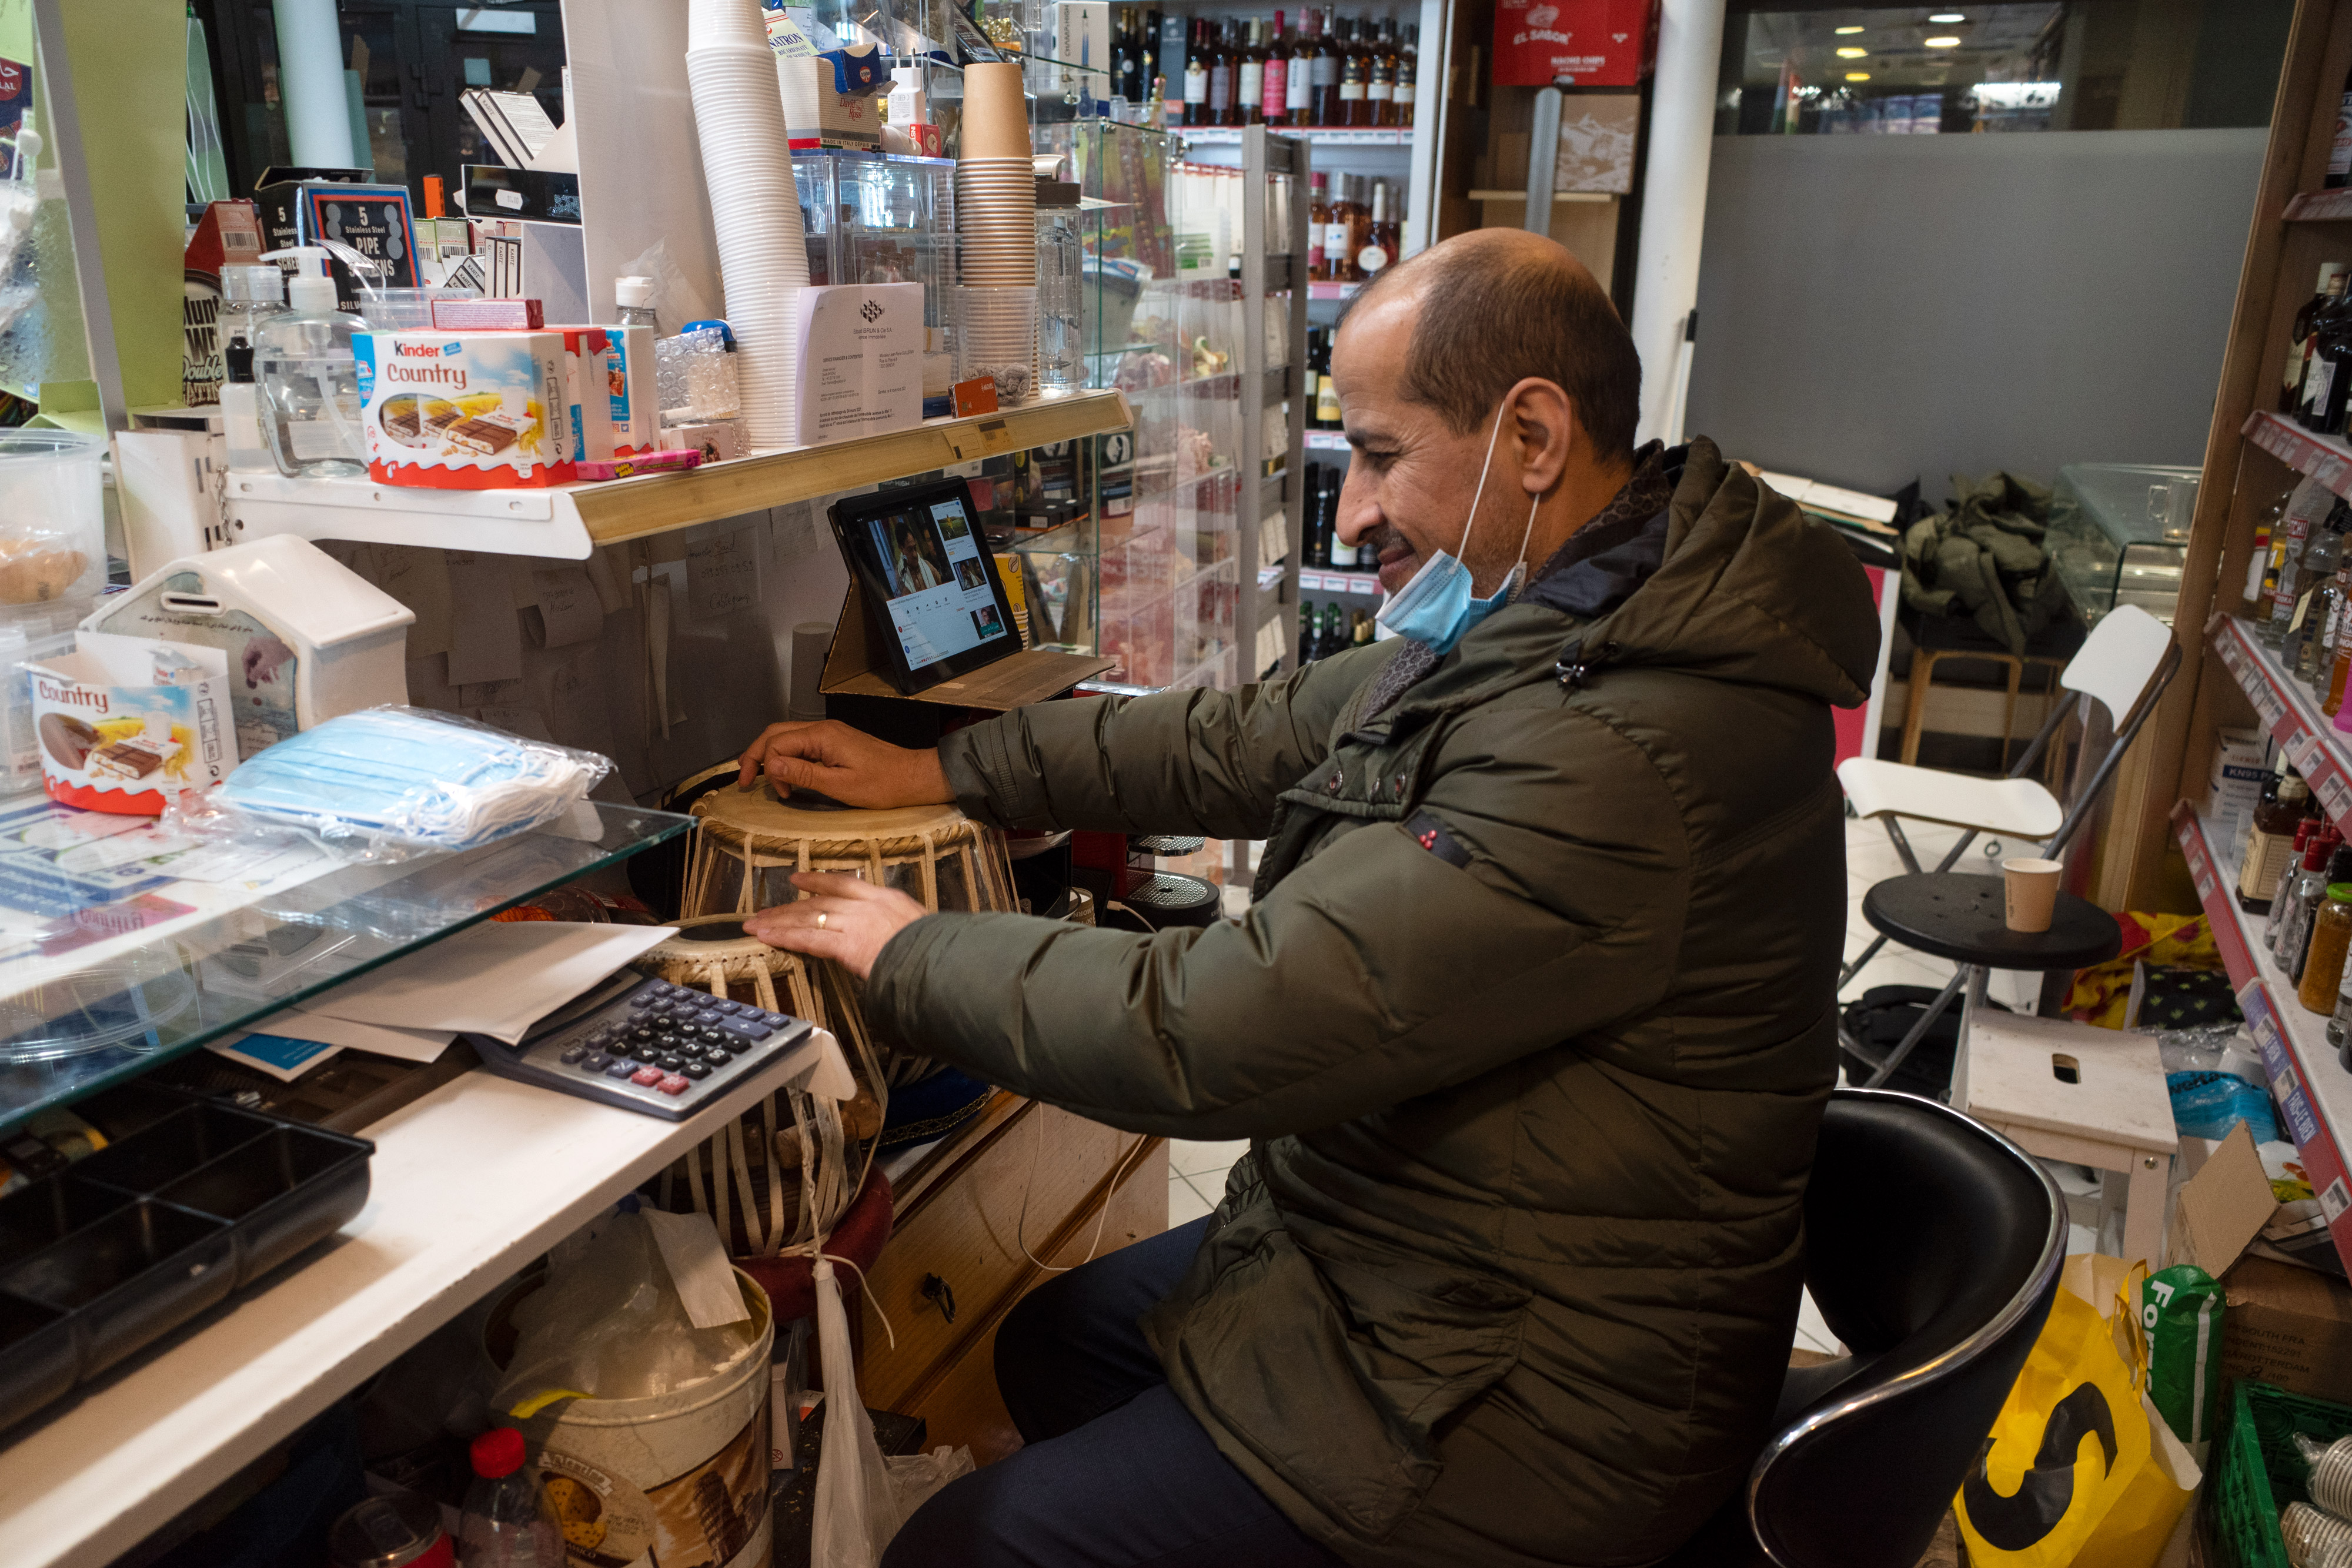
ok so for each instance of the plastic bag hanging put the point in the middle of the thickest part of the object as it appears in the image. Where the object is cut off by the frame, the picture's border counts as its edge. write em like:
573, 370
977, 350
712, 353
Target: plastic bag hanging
857, 1509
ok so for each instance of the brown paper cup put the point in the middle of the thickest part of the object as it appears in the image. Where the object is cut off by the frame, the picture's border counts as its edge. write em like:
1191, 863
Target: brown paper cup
2033, 892
995, 115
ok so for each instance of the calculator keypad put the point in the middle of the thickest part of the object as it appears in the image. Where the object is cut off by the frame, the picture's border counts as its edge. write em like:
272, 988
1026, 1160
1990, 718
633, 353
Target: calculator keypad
661, 1039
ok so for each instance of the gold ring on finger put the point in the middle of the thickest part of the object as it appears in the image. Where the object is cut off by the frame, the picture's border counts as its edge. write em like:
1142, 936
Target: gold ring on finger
820, 920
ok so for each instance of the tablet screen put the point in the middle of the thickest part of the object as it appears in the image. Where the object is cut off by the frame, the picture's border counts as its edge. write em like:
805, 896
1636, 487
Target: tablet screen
936, 577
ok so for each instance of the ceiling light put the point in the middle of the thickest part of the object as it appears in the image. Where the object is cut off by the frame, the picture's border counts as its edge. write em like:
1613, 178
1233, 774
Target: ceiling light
1946, 18
1944, 43
1848, 32
1852, 54
1857, 76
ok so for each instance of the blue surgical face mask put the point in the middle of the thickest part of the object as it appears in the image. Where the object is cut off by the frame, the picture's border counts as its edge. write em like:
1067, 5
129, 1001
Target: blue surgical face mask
1437, 607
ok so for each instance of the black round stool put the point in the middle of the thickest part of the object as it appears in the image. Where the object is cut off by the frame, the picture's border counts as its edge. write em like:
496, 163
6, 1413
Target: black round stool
1961, 916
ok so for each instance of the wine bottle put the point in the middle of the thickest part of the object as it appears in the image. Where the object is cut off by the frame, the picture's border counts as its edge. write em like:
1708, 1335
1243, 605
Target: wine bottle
2339, 151
1275, 99
2298, 344
1408, 71
1325, 76
1354, 72
1380, 234
1249, 82
1196, 77
1379, 89
1298, 75
1220, 77
1319, 214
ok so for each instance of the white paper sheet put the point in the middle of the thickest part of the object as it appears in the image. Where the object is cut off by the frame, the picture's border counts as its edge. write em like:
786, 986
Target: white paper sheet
403, 1044
568, 609
497, 979
722, 575
698, 1267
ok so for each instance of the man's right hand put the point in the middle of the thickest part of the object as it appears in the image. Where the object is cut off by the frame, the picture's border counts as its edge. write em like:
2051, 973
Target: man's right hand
849, 765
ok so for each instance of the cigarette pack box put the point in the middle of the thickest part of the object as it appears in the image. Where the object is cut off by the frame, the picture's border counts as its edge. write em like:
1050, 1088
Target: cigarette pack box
468, 411
126, 723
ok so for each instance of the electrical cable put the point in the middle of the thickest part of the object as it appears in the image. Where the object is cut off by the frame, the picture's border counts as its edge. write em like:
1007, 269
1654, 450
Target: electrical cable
1021, 1224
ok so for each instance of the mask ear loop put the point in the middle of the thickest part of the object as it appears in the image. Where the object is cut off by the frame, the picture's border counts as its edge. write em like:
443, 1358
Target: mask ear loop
1520, 565
1481, 490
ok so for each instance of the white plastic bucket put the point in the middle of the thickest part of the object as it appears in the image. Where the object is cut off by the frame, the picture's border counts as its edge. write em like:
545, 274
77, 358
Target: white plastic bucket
680, 1478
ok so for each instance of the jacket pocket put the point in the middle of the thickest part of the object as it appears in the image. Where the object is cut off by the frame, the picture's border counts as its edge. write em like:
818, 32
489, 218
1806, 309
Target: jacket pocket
1336, 1374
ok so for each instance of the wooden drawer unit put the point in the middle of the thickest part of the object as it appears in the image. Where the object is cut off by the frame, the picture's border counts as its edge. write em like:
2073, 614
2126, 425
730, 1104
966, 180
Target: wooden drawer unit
959, 1220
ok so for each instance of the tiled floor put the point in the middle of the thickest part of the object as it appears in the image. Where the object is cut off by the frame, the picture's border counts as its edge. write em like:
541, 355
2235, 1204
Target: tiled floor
1196, 1172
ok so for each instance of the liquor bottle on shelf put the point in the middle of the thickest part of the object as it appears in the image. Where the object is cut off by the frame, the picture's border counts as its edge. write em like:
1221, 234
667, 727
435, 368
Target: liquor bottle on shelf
1305, 633
2316, 661
1333, 476
1319, 214
1380, 234
1325, 74
2270, 838
1298, 72
1196, 77
1126, 64
1354, 73
1339, 237
1326, 393
1221, 76
1275, 79
1408, 73
2300, 892
1361, 633
2321, 558
2339, 151
1359, 229
2306, 509
1341, 555
2298, 341
1319, 541
2325, 380
1380, 90
1249, 77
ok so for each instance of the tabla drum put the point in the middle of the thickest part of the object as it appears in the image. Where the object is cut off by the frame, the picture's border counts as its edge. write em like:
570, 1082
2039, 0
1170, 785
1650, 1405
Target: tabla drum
750, 843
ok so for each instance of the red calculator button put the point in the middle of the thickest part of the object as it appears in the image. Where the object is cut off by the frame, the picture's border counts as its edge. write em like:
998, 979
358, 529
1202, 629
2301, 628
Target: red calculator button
675, 1083
648, 1076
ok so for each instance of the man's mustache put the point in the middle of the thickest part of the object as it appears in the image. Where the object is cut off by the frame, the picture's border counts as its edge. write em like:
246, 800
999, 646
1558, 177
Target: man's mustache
1378, 540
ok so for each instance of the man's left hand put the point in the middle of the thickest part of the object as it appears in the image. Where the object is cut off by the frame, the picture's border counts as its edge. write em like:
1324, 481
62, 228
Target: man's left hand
837, 916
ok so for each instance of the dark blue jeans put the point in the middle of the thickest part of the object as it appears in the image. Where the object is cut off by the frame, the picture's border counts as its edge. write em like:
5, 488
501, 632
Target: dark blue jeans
1117, 1472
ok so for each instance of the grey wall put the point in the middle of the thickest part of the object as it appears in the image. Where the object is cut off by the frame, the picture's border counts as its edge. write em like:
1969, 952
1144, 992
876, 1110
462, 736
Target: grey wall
1875, 308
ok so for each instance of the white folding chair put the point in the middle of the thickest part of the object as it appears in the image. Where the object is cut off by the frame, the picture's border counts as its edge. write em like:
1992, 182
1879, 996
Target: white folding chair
2124, 665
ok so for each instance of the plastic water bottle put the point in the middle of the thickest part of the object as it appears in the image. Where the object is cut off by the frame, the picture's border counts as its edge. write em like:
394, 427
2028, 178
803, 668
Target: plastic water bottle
508, 1522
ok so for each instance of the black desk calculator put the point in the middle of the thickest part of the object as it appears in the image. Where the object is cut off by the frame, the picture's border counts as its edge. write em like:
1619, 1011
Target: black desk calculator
647, 1045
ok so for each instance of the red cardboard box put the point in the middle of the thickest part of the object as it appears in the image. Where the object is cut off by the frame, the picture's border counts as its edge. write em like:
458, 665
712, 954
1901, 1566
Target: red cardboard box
1578, 43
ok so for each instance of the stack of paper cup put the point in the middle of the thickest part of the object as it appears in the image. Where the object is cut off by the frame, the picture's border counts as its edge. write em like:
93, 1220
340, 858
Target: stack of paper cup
755, 213
996, 227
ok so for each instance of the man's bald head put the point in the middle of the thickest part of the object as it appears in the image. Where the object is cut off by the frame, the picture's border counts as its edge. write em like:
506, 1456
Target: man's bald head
1494, 306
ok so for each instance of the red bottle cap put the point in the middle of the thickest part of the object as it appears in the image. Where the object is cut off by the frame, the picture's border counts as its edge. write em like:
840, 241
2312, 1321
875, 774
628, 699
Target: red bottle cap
497, 1452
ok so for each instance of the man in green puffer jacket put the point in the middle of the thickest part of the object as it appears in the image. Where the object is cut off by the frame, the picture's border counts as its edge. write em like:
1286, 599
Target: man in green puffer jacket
1530, 1021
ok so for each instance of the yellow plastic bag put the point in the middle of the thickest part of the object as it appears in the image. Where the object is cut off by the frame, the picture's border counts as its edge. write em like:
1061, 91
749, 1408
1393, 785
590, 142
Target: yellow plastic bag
2079, 1471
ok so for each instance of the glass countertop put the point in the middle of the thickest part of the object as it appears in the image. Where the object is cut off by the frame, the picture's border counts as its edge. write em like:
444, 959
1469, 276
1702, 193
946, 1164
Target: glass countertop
120, 949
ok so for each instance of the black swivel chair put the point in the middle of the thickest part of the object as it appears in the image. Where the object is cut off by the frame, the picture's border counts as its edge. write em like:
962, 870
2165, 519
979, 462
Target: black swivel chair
1932, 1247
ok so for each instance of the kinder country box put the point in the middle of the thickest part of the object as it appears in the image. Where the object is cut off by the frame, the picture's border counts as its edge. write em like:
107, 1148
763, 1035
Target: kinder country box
126, 723
467, 411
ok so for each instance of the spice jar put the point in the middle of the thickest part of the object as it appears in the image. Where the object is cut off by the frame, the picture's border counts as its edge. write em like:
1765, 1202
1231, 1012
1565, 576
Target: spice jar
2331, 935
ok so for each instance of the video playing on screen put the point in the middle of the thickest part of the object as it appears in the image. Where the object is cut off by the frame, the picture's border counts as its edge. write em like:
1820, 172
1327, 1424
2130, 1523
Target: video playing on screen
936, 574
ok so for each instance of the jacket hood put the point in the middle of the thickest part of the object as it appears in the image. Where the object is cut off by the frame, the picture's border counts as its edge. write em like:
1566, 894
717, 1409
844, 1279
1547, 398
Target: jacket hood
1732, 582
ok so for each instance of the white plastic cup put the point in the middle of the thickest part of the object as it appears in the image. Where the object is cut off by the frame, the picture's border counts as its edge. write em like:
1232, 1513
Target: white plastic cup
2029, 889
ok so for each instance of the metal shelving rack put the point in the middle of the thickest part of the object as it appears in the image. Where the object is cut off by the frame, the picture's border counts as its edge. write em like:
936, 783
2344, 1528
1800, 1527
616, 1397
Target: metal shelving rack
1272, 265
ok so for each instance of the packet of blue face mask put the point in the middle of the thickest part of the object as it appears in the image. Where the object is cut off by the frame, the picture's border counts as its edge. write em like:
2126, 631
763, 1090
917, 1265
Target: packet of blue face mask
387, 782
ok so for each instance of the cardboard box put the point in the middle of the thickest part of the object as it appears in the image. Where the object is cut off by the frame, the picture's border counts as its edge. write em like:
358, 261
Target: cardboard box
127, 723
2235, 783
466, 410
1082, 39
587, 383
633, 401
1581, 43
314, 206
2289, 1326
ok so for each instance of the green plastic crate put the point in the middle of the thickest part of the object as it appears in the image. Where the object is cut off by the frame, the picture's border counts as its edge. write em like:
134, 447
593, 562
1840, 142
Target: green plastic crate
2256, 1471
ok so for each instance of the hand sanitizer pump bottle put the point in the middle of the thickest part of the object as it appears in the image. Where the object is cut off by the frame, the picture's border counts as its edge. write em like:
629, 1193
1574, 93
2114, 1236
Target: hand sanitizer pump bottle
310, 377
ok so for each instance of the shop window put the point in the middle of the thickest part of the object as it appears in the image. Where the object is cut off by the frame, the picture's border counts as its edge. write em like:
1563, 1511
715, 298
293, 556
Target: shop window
2060, 65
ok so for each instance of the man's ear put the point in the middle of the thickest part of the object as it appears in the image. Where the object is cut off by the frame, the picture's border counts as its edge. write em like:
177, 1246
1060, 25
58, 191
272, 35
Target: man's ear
1544, 424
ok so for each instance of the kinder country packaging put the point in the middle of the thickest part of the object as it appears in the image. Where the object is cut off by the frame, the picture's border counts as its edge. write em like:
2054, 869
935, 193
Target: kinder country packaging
126, 723
629, 378
467, 411
584, 352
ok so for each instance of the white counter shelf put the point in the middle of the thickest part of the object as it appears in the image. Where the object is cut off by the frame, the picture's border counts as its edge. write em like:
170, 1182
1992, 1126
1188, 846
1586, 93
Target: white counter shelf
565, 522
469, 1184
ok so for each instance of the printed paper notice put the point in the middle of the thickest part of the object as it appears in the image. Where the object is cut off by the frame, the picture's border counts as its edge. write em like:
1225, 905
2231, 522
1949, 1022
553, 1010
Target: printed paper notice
486, 632
861, 361
722, 575
568, 610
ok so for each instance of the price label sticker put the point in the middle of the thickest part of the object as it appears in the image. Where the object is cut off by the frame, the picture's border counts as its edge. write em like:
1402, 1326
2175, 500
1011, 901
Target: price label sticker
981, 440
2335, 794
2301, 746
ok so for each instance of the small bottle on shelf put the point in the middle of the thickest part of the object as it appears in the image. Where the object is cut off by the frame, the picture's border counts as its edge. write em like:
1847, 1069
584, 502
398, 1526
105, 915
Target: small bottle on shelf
1305, 633
2277, 930
1408, 71
1380, 234
1380, 89
1298, 72
2311, 503
1319, 214
1196, 77
2339, 151
2270, 839
2298, 342
1249, 77
2321, 558
1275, 78
1355, 73
1326, 396
2323, 959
